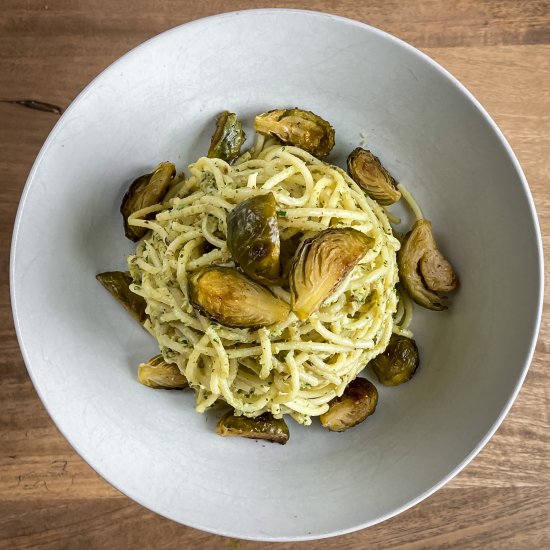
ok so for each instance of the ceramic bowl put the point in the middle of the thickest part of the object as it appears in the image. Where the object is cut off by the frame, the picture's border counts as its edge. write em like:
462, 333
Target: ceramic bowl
159, 102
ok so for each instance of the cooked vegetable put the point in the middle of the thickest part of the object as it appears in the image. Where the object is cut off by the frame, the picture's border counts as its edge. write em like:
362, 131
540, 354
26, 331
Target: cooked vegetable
233, 300
422, 268
398, 362
367, 171
298, 127
358, 401
262, 427
228, 138
253, 238
145, 191
321, 263
118, 284
157, 373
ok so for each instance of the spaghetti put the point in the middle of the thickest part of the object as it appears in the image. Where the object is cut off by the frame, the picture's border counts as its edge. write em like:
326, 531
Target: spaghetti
292, 367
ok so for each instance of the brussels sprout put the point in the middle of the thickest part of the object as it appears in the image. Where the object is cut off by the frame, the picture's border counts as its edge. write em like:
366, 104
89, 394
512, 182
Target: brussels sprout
262, 427
367, 171
228, 138
321, 263
422, 268
398, 362
358, 401
145, 191
233, 300
157, 373
118, 284
253, 238
298, 127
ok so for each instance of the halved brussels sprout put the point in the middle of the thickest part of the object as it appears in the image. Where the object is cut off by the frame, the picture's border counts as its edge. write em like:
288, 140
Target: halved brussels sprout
422, 268
157, 373
398, 362
298, 127
118, 284
145, 191
358, 401
233, 300
253, 238
367, 171
321, 263
262, 427
228, 138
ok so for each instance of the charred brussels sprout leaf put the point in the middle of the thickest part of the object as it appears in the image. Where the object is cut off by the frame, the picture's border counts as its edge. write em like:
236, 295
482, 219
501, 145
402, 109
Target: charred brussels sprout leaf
358, 401
233, 300
321, 263
262, 427
422, 268
145, 191
298, 127
367, 171
157, 373
398, 362
118, 284
228, 138
253, 238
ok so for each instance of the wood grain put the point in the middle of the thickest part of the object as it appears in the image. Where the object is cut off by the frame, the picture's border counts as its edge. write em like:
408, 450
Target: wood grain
49, 497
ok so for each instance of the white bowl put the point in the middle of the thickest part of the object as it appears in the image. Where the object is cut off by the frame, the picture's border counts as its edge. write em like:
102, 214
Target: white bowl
158, 102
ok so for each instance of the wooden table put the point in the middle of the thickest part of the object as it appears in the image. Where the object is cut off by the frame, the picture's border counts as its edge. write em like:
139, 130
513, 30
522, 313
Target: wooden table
49, 50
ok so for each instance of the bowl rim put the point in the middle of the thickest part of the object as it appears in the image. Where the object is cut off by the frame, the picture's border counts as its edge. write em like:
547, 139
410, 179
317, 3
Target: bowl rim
462, 89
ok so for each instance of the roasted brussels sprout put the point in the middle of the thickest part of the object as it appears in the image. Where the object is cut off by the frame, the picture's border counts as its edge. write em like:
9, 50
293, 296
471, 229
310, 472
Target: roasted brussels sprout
157, 373
262, 427
321, 263
145, 191
228, 138
398, 362
358, 401
253, 238
422, 268
367, 171
298, 127
233, 300
118, 284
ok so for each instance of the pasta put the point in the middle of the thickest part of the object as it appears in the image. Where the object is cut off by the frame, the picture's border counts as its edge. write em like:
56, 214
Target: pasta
293, 367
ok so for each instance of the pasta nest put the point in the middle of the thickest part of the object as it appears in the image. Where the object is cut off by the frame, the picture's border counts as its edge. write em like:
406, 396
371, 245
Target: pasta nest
292, 367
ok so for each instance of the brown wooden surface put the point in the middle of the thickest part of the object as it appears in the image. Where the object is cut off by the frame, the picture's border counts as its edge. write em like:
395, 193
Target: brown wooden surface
49, 50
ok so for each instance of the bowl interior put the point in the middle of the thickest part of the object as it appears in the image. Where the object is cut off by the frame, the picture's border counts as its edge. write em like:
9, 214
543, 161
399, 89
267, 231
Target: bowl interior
159, 103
